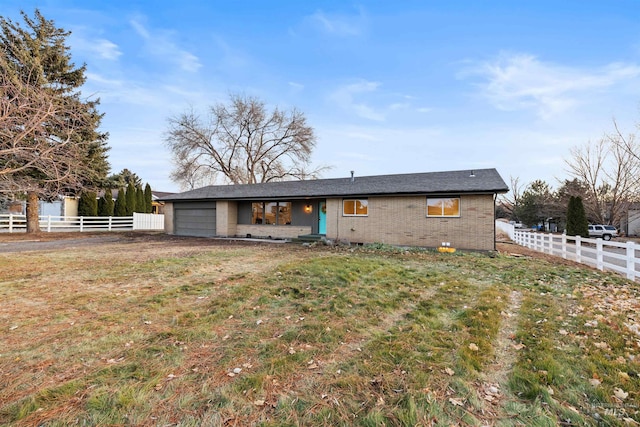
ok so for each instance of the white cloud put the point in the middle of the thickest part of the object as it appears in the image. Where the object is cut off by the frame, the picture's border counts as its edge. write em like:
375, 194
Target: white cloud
345, 98
296, 86
160, 44
101, 48
522, 81
107, 49
128, 92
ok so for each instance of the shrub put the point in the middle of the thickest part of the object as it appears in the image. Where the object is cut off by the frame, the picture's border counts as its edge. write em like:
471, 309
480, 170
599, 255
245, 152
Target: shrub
88, 204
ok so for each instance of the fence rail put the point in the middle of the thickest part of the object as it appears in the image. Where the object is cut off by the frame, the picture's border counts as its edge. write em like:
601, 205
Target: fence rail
621, 257
18, 223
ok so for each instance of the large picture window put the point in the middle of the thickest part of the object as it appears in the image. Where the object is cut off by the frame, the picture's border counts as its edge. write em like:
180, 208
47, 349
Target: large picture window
355, 207
443, 206
273, 213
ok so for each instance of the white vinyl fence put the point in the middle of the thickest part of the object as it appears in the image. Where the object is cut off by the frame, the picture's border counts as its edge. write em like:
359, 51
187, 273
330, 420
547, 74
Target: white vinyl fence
18, 223
621, 257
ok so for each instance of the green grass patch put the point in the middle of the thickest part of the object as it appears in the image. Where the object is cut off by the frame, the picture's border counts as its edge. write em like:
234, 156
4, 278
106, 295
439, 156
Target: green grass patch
278, 336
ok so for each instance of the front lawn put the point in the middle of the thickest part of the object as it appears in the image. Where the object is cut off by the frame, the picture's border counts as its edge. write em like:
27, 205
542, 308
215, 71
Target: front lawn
190, 332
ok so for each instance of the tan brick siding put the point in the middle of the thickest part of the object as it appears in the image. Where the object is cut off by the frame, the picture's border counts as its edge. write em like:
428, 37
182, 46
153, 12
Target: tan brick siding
403, 221
226, 218
275, 231
168, 218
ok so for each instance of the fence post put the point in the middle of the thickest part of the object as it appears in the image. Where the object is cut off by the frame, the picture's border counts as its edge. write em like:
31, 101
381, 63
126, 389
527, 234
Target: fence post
10, 223
564, 246
110, 223
578, 249
81, 223
631, 260
49, 224
599, 255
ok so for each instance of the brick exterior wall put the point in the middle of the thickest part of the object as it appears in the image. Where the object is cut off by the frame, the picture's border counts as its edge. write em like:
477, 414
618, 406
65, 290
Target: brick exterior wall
168, 218
226, 218
403, 221
275, 231
400, 220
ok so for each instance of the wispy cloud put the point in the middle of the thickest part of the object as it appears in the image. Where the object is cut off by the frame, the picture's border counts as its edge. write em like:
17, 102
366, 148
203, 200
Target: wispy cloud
522, 81
107, 49
346, 96
101, 48
340, 25
160, 44
113, 90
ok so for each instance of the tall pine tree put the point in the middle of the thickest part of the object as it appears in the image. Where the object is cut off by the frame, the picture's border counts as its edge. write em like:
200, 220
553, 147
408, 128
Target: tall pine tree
120, 205
139, 200
88, 204
130, 198
577, 224
36, 58
148, 199
106, 206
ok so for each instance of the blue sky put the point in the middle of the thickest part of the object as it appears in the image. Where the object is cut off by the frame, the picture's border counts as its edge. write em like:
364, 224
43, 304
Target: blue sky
390, 87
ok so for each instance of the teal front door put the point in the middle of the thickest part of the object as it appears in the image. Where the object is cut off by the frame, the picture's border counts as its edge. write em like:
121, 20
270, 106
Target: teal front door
322, 218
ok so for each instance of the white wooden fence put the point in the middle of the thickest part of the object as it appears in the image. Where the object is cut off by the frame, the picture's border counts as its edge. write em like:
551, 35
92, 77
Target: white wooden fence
18, 223
621, 257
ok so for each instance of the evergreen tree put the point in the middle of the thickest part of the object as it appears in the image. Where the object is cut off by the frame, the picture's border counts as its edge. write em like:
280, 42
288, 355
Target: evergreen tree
123, 178
88, 204
148, 199
577, 224
572, 226
139, 200
101, 202
106, 208
582, 223
120, 206
130, 198
37, 57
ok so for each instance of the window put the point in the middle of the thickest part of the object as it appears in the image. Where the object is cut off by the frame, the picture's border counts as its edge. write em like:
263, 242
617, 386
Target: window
257, 213
355, 207
443, 207
271, 213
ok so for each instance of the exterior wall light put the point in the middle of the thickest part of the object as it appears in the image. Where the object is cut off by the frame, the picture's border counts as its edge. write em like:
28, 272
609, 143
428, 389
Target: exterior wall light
308, 209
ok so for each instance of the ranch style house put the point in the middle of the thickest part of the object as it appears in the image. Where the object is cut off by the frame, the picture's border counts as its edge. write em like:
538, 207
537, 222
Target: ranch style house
415, 209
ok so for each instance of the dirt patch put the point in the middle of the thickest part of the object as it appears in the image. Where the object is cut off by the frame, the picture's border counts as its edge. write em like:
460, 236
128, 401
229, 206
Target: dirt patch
22, 242
494, 380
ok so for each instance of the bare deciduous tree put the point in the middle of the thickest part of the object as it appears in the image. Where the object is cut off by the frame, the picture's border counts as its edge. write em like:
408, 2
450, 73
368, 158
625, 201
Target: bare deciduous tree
610, 170
32, 159
242, 142
510, 201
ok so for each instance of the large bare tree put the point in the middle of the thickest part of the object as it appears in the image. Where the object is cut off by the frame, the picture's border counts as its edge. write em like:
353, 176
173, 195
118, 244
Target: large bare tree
510, 201
610, 169
242, 142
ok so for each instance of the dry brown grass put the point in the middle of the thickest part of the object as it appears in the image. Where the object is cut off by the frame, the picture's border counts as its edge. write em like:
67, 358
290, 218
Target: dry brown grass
146, 329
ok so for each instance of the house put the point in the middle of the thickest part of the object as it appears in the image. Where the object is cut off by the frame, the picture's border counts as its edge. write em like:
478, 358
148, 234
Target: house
157, 205
58, 207
418, 209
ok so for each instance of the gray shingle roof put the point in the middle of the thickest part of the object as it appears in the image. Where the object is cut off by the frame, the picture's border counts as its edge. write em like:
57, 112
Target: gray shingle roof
452, 182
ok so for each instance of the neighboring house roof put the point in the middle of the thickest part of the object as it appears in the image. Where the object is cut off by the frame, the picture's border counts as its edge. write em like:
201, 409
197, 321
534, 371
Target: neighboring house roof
160, 195
452, 182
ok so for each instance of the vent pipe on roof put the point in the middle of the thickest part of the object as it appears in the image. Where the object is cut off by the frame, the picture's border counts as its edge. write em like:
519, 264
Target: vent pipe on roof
472, 175
352, 178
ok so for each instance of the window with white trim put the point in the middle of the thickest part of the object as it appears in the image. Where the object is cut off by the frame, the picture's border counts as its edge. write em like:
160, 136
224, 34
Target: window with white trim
443, 207
355, 207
